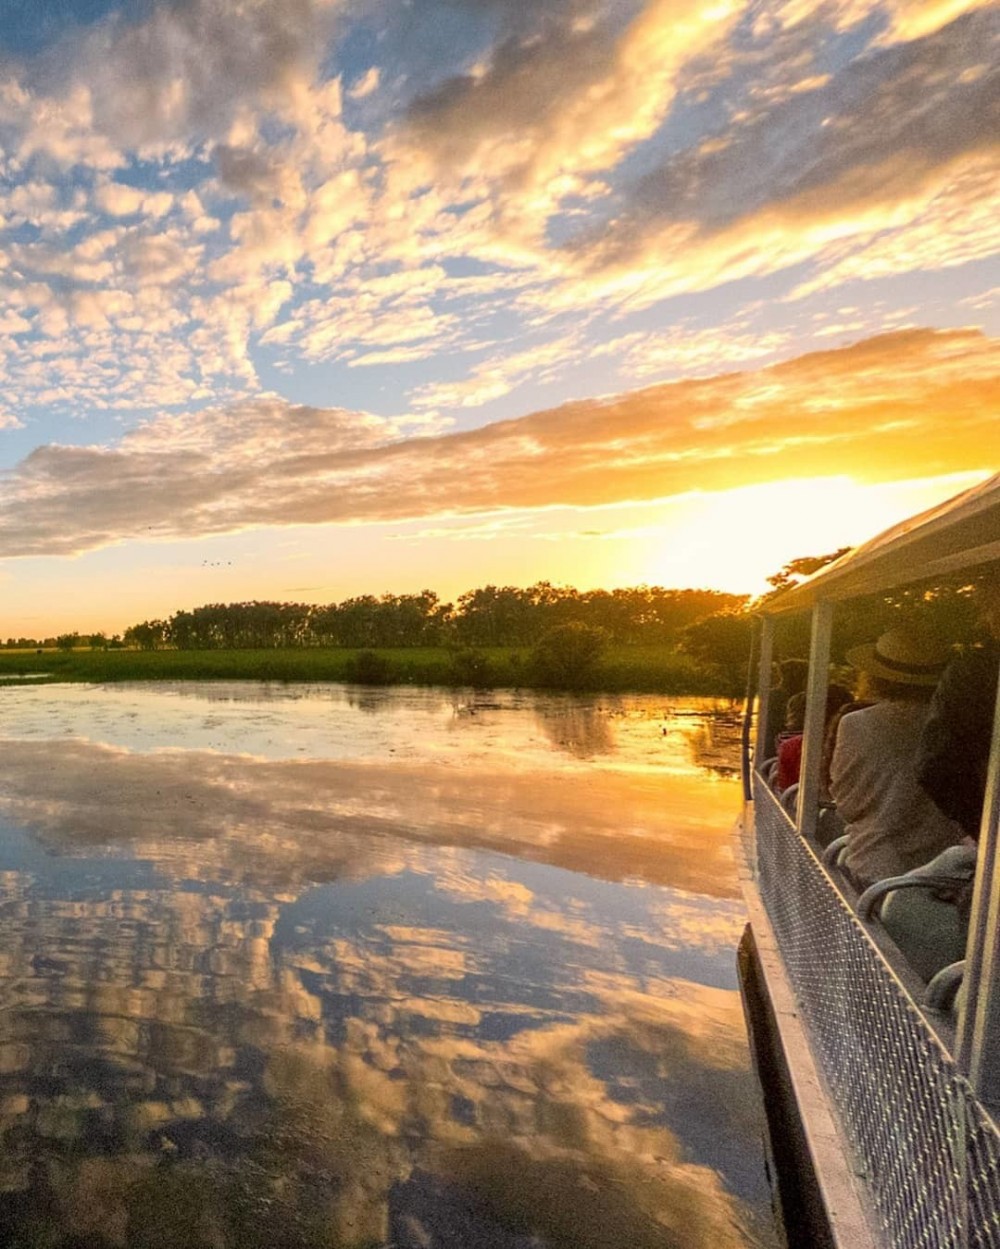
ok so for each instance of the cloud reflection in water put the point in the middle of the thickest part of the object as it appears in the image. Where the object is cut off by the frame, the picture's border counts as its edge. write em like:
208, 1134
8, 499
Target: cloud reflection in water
329, 1002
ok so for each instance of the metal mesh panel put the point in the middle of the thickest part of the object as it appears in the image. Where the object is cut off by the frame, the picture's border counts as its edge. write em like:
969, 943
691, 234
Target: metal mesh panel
929, 1155
984, 1181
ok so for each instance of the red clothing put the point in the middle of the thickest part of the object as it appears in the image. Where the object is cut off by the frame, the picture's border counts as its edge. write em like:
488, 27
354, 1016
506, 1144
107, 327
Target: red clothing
789, 761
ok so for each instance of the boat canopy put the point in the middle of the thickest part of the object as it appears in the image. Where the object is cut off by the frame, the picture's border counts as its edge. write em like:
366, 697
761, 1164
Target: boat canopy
963, 532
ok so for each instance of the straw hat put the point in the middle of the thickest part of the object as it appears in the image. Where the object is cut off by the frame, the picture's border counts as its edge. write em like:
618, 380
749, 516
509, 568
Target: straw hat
904, 655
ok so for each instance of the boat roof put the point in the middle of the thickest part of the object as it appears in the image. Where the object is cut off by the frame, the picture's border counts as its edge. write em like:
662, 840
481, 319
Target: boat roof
962, 532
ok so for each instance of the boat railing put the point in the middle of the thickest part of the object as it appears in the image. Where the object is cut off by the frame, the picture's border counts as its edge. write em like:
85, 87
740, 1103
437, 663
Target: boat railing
928, 1150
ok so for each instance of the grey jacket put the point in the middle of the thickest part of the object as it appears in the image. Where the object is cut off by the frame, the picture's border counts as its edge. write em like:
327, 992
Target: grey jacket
892, 825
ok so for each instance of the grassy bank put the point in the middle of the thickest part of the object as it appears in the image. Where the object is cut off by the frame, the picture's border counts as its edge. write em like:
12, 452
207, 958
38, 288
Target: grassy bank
642, 669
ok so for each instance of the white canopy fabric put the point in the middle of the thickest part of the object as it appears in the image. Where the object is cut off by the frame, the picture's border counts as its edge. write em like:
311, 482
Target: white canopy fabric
962, 532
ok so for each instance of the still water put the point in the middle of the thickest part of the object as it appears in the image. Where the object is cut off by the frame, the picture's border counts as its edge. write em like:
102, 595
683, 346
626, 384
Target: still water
314, 966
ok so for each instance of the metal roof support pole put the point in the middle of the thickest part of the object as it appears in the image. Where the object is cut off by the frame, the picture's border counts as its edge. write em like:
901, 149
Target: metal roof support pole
978, 1042
764, 688
746, 754
807, 809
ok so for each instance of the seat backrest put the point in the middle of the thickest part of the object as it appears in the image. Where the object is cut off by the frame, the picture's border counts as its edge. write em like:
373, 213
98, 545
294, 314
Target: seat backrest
829, 826
928, 930
789, 798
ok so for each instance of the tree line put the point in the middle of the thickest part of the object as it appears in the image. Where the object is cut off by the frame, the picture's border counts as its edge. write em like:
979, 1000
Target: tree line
488, 616
564, 631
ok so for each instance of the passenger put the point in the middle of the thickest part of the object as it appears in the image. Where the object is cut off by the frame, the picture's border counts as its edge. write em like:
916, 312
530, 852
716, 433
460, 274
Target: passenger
792, 677
891, 823
830, 741
954, 752
790, 742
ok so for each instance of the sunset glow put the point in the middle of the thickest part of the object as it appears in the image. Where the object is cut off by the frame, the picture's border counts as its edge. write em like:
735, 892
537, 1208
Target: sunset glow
302, 301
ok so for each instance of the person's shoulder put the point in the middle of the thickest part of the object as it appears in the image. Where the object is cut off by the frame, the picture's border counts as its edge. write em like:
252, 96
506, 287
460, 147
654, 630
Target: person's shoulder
864, 713
860, 721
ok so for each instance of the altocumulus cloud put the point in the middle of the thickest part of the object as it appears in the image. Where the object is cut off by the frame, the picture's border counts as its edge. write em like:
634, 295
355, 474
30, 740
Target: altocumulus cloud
189, 185
905, 404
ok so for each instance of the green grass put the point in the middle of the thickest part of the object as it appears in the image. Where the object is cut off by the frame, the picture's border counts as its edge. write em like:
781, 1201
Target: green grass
642, 669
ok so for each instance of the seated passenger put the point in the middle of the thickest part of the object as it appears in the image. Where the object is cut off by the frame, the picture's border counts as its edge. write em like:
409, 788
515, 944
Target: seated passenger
830, 740
790, 742
792, 677
891, 824
955, 749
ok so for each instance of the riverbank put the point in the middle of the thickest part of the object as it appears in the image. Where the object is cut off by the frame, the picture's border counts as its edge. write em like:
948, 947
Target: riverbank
632, 669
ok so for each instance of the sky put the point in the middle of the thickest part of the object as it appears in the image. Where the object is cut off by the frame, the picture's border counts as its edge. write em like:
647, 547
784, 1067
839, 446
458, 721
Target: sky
315, 298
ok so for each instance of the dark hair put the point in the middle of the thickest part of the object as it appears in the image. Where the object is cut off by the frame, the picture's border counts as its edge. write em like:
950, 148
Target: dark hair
899, 691
837, 696
795, 711
793, 674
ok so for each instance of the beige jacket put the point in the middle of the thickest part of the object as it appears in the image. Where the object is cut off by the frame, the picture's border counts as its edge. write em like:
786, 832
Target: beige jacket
892, 825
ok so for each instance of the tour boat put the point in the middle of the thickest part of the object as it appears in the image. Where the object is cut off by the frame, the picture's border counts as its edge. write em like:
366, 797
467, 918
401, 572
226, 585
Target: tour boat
880, 1074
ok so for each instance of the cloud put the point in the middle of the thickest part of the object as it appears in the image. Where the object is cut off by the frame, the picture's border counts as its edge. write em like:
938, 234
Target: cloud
864, 160
119, 200
693, 352
366, 84
546, 111
185, 72
959, 224
186, 198
902, 19
228, 93
501, 373
923, 105
905, 404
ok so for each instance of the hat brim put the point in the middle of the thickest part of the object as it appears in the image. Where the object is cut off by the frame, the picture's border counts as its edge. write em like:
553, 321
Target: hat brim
866, 659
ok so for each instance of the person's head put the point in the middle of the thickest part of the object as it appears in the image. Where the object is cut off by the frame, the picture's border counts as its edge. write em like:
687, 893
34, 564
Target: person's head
793, 674
988, 603
837, 696
795, 713
905, 663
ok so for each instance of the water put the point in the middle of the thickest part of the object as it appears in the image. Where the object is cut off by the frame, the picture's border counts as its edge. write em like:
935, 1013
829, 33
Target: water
312, 966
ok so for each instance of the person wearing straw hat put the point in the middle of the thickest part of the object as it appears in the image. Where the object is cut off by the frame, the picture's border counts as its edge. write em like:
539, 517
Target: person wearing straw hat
891, 822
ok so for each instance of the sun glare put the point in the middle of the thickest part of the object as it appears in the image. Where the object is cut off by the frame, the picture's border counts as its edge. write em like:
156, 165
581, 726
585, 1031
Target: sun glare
735, 539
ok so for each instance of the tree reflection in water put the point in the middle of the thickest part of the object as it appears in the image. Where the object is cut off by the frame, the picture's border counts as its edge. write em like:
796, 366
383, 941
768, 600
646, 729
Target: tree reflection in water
579, 726
306, 1003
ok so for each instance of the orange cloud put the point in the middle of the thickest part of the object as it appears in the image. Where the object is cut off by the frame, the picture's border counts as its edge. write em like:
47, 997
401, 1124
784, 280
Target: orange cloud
907, 404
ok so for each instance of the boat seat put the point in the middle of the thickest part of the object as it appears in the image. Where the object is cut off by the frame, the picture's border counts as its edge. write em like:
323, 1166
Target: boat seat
788, 799
927, 928
834, 852
829, 825
944, 988
769, 769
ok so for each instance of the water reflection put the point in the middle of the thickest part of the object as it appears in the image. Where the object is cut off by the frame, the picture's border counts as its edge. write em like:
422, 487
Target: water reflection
715, 742
581, 728
330, 1002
